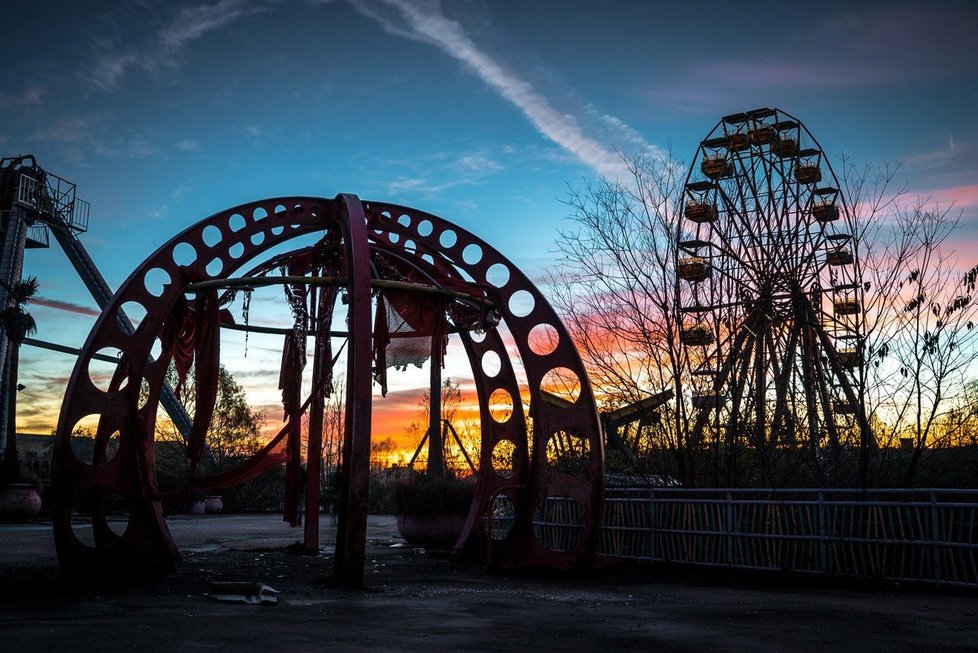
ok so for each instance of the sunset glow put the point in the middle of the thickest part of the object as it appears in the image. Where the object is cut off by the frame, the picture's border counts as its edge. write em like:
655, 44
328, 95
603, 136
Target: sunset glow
167, 113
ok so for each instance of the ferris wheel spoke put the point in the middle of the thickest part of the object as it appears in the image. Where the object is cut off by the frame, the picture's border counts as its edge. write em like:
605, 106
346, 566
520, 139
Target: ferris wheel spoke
782, 374
826, 399
722, 376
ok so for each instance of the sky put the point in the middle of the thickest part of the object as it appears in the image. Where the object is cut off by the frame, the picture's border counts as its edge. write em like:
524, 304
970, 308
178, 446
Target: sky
483, 112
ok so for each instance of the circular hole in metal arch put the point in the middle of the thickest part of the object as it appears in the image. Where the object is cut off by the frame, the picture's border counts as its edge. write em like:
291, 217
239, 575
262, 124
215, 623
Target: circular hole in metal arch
385, 215
236, 250
143, 393
393, 237
258, 238
477, 336
82, 530
472, 254
425, 228
236, 222
117, 513
103, 365
279, 210
184, 254
558, 523
491, 364
82, 441
497, 275
410, 246
211, 235
404, 220
156, 350
215, 266
428, 258
501, 405
448, 238
568, 453
155, 281
562, 382
135, 312
543, 339
259, 214
504, 458
521, 303
277, 231
499, 517
93, 531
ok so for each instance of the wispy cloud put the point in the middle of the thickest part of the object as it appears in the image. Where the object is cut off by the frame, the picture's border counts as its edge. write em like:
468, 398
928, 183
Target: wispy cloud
468, 168
425, 22
32, 96
188, 145
164, 45
866, 45
67, 306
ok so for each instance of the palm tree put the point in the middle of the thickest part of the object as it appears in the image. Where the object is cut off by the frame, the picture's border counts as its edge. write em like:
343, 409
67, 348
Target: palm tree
17, 323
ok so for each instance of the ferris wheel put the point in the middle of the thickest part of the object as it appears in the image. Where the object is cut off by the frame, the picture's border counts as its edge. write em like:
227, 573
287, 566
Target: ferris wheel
769, 292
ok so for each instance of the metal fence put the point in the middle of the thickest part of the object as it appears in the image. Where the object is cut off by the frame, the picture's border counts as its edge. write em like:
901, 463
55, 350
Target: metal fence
907, 535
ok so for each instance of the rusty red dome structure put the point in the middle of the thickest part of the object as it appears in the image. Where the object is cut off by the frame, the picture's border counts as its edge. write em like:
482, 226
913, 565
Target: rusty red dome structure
388, 262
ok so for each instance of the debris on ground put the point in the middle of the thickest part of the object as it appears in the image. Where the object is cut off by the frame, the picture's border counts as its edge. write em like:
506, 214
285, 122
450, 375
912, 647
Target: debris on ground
243, 592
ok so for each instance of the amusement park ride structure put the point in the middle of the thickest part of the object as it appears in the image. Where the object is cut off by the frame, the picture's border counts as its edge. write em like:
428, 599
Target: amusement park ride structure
768, 292
406, 279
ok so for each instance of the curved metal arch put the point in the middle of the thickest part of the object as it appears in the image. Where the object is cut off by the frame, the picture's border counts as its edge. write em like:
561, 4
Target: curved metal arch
522, 547
222, 244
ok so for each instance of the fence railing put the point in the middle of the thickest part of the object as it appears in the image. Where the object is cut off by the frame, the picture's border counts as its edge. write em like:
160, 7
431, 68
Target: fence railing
906, 535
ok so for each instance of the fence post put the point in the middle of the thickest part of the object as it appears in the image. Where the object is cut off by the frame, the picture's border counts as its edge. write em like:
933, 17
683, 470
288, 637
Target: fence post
728, 528
823, 561
935, 534
652, 524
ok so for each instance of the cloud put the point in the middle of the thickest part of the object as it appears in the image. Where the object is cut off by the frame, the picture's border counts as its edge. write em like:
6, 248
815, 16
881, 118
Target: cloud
88, 132
468, 169
862, 46
32, 96
163, 47
188, 145
478, 162
67, 306
425, 22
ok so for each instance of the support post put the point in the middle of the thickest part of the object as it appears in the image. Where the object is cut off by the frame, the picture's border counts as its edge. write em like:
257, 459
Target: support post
436, 444
351, 526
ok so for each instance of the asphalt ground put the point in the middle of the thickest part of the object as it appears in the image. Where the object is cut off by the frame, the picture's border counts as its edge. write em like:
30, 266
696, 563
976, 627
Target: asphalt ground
417, 600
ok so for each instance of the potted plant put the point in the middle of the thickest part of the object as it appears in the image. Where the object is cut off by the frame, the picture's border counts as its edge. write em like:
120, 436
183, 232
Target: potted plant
431, 510
20, 494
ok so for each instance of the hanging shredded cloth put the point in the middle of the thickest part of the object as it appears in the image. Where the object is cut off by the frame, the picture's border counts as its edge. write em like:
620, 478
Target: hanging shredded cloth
192, 335
382, 339
412, 318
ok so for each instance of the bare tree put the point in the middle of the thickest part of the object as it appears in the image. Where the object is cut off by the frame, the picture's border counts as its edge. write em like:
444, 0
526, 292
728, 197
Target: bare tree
616, 286
919, 314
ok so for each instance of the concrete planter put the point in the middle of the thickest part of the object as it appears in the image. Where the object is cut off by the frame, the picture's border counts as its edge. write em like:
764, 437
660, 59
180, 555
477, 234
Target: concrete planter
213, 504
431, 530
19, 502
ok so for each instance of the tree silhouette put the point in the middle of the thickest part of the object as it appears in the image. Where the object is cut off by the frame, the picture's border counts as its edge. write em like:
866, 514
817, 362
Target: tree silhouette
18, 324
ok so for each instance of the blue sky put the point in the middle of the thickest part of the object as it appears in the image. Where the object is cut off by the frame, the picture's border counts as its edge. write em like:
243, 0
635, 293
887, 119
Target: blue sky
482, 112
